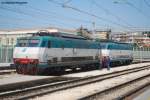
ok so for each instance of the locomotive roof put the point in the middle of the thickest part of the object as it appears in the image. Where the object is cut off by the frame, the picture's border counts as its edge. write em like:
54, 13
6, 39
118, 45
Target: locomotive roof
58, 34
112, 41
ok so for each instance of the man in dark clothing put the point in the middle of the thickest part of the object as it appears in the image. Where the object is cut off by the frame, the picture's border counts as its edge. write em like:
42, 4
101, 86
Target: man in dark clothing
108, 63
103, 62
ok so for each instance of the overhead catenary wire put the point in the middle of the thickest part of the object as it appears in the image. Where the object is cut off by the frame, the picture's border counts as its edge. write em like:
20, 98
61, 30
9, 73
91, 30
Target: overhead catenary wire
147, 3
137, 9
47, 13
60, 17
109, 12
15, 19
40, 15
27, 14
55, 15
17, 11
90, 14
67, 1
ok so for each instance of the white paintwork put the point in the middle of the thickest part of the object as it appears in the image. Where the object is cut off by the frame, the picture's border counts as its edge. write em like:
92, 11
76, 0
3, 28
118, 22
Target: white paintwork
68, 52
26, 52
44, 54
115, 54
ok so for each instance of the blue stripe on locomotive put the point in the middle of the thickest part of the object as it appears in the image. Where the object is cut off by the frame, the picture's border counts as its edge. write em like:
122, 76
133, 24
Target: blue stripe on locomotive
116, 46
58, 42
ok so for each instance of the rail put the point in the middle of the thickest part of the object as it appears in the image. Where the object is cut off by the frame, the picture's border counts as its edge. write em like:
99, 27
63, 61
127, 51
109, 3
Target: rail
112, 93
31, 92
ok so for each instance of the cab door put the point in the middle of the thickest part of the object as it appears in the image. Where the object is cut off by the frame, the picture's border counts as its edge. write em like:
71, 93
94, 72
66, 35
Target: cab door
43, 52
47, 57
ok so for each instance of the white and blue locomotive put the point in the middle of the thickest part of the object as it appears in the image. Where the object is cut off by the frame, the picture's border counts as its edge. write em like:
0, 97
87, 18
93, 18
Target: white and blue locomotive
49, 52
118, 53
45, 53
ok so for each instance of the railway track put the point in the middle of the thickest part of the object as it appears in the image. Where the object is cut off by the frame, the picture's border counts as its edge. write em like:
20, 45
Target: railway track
31, 92
3, 72
11, 70
7, 70
7, 67
122, 91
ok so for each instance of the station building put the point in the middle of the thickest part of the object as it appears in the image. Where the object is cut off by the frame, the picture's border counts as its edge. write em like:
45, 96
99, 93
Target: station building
139, 38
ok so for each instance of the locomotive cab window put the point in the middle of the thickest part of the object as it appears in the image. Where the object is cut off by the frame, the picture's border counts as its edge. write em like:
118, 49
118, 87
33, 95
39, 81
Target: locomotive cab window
34, 42
28, 43
22, 43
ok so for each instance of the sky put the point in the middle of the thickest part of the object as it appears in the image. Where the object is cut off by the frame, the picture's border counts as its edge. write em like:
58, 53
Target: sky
72, 14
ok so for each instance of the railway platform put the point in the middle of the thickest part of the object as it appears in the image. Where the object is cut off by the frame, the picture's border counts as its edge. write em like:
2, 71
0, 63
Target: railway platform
17, 78
14, 81
5, 64
105, 71
143, 96
82, 91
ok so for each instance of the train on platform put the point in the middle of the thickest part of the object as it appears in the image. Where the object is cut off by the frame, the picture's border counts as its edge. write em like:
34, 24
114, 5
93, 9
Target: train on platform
45, 53
118, 53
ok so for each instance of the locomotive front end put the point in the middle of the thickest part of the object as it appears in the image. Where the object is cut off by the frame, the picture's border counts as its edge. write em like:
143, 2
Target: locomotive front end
26, 55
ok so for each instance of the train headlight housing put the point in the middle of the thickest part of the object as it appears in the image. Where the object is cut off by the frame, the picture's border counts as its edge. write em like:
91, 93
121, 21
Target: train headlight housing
26, 61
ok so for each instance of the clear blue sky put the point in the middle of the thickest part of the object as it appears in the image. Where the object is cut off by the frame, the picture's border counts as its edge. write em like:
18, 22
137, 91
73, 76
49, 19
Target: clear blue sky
105, 14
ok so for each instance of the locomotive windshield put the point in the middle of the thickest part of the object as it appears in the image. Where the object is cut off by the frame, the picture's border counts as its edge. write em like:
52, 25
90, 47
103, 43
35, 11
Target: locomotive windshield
28, 42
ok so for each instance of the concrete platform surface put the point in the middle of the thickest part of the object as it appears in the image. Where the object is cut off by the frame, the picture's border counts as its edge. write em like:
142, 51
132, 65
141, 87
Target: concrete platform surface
104, 70
143, 96
4, 64
16, 78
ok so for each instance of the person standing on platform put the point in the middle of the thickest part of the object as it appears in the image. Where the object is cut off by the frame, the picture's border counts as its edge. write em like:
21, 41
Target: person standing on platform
104, 61
108, 63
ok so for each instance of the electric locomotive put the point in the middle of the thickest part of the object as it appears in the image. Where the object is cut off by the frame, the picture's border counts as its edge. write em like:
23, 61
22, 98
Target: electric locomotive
44, 53
118, 53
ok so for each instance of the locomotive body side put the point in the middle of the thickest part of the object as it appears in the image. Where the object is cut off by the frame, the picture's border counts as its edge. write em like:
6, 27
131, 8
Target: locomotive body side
55, 54
118, 53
